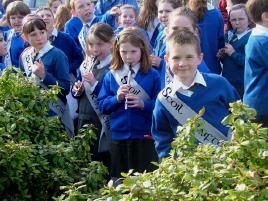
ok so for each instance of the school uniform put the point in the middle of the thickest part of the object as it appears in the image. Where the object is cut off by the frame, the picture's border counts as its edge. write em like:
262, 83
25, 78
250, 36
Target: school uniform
73, 27
167, 76
212, 37
233, 65
103, 6
169, 112
65, 43
154, 29
256, 74
130, 126
160, 49
15, 46
106, 18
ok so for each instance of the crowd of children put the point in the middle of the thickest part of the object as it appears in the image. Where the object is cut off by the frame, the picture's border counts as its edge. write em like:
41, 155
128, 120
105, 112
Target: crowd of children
136, 70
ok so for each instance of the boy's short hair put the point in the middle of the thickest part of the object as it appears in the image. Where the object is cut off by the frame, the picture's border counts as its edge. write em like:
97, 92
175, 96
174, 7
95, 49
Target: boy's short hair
17, 8
71, 3
256, 8
183, 37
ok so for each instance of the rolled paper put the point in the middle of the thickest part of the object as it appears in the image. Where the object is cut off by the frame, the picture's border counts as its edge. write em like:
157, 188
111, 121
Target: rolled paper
128, 83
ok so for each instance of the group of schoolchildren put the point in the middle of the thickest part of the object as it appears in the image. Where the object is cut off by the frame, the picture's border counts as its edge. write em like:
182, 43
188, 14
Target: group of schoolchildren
138, 72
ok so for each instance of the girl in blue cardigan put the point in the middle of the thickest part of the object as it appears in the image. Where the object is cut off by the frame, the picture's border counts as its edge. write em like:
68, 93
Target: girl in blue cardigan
128, 95
233, 54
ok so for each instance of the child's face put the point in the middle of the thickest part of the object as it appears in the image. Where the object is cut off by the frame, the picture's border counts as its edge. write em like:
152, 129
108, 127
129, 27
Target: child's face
37, 38
84, 9
129, 53
3, 45
183, 61
239, 20
180, 23
48, 18
16, 22
164, 9
54, 6
98, 48
127, 18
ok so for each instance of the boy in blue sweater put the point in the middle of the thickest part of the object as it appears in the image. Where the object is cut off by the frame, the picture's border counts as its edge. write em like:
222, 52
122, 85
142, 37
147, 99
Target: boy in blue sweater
256, 62
190, 92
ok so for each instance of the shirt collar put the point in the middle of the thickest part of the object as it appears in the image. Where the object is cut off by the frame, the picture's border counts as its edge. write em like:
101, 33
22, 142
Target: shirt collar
242, 34
198, 79
46, 48
107, 60
54, 32
134, 68
260, 30
210, 6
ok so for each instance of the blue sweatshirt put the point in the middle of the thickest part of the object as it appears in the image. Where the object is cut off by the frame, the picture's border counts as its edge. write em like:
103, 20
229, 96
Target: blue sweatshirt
212, 38
133, 122
74, 54
73, 27
233, 66
256, 70
215, 99
103, 6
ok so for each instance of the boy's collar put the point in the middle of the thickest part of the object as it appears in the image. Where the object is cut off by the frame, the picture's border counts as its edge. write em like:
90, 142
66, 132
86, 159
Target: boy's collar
260, 30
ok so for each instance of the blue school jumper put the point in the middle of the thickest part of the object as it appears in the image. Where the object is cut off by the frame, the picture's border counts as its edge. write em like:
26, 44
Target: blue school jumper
256, 70
160, 49
65, 43
73, 27
233, 66
215, 99
16, 48
202, 67
103, 6
57, 71
132, 123
212, 38
155, 33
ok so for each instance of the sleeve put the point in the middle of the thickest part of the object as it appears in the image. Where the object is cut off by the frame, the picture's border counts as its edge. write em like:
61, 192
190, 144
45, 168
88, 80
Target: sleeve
107, 100
109, 19
162, 131
61, 75
98, 8
239, 59
149, 104
221, 31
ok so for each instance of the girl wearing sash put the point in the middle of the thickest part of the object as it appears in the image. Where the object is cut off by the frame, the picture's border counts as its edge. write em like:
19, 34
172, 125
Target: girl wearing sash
190, 92
15, 44
128, 95
46, 65
92, 71
180, 19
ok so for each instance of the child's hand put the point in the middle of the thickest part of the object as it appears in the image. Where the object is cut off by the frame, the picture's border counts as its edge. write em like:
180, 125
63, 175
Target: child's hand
155, 60
221, 53
39, 69
134, 101
78, 88
89, 77
229, 49
122, 92
115, 11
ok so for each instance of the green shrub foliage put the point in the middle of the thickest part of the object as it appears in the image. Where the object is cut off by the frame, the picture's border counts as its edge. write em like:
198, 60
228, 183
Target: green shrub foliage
236, 171
36, 156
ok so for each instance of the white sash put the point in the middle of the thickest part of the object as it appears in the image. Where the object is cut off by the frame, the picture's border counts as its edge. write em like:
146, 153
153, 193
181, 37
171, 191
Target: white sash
181, 112
82, 40
61, 109
121, 76
7, 58
105, 135
168, 77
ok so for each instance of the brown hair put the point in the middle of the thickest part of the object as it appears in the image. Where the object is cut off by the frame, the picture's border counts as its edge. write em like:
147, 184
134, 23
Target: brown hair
44, 8
136, 38
50, 2
5, 3
199, 7
187, 12
131, 7
17, 8
29, 26
256, 8
148, 13
62, 15
183, 38
240, 7
174, 3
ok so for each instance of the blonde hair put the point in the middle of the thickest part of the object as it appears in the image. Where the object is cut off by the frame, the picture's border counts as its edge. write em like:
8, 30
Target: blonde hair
136, 38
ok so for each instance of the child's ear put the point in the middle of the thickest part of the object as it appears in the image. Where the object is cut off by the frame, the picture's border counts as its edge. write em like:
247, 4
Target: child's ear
166, 57
201, 57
